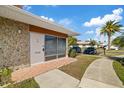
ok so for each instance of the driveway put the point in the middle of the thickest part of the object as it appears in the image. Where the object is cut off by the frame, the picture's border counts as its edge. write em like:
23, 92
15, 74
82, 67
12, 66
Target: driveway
56, 79
100, 74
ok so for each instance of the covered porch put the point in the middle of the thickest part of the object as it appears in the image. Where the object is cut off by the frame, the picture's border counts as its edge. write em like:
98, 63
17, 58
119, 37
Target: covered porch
35, 70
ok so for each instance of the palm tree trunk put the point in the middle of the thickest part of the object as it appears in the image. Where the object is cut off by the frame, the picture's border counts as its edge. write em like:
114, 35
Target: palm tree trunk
109, 41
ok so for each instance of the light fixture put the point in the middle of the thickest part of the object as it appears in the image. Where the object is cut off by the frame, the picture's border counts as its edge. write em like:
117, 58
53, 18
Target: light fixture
19, 31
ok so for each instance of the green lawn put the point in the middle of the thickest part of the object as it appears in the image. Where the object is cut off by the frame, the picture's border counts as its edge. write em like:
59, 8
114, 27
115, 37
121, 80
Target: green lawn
110, 52
119, 69
77, 69
114, 52
30, 83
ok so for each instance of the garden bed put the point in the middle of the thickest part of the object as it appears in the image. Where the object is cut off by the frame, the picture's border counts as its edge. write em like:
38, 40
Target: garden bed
29, 83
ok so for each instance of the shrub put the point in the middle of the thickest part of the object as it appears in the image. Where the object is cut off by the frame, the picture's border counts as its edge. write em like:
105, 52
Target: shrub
72, 53
5, 75
29, 83
122, 61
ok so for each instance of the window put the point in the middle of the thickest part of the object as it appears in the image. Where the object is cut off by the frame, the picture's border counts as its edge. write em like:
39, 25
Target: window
61, 47
55, 47
50, 47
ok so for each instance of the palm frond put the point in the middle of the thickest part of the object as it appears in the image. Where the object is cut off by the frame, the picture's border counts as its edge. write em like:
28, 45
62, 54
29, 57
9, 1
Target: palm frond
111, 27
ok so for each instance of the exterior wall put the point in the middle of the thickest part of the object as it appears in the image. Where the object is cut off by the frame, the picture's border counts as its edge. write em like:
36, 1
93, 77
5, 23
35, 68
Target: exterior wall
14, 43
81, 46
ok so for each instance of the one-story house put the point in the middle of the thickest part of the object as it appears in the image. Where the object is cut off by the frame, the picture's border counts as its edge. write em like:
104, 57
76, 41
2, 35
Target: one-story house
83, 44
27, 40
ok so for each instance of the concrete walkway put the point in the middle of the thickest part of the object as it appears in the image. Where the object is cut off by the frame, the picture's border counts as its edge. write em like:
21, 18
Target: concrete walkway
100, 74
56, 79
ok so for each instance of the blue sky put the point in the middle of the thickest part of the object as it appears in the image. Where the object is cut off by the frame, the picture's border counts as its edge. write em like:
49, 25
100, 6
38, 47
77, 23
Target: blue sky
83, 19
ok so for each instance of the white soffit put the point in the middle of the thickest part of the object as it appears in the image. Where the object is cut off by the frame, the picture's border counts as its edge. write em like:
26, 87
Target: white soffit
18, 14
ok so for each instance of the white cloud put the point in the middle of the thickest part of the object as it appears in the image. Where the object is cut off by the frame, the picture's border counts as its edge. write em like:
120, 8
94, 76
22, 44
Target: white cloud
98, 31
93, 21
65, 21
99, 37
26, 7
89, 32
98, 21
117, 11
47, 18
51, 19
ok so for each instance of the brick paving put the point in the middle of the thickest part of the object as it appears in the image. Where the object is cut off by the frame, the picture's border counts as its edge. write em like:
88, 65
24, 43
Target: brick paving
35, 70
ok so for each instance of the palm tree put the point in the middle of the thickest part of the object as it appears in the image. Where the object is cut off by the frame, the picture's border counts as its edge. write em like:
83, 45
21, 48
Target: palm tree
109, 29
93, 42
72, 41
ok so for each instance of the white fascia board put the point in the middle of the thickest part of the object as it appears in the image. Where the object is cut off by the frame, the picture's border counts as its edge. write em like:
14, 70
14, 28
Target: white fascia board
18, 14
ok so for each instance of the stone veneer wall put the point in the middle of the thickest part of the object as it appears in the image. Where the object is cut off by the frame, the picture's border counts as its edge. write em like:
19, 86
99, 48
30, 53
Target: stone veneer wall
14, 44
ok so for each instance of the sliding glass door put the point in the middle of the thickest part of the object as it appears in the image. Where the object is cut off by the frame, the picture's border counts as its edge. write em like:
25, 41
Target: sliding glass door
55, 47
50, 47
61, 47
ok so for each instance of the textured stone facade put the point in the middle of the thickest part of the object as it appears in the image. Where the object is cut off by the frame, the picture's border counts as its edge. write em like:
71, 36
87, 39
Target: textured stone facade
14, 43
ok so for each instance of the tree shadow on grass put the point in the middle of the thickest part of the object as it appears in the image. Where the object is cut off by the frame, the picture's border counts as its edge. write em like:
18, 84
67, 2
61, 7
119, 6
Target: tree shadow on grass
117, 59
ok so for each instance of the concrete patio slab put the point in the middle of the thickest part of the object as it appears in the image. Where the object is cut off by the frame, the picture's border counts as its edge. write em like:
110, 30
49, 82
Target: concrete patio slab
56, 79
100, 73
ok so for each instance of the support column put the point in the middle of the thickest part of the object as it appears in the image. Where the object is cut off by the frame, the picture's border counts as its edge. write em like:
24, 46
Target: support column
66, 47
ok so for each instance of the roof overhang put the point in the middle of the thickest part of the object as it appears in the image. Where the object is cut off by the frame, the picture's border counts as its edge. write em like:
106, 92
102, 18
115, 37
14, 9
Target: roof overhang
18, 14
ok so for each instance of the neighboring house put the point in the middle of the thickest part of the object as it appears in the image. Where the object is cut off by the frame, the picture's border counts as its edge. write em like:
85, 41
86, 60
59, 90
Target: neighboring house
84, 44
27, 39
101, 45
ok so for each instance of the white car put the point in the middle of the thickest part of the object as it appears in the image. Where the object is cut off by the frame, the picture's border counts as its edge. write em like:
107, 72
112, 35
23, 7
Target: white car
113, 48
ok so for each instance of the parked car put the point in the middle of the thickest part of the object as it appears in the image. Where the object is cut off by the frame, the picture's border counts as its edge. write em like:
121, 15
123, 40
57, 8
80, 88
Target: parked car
90, 50
78, 49
112, 48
